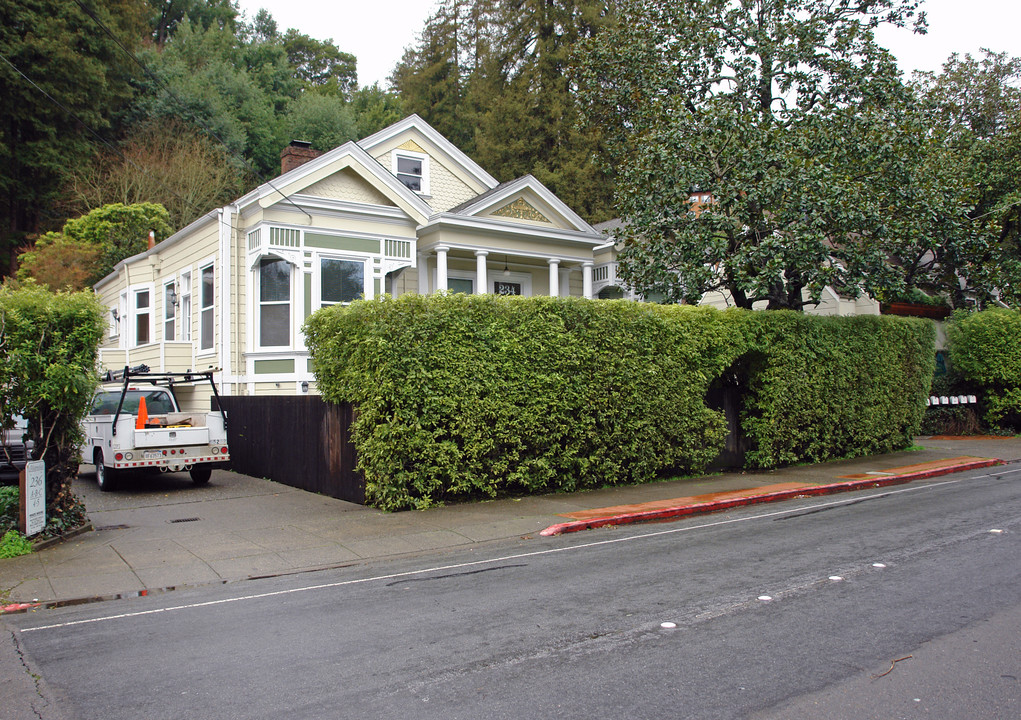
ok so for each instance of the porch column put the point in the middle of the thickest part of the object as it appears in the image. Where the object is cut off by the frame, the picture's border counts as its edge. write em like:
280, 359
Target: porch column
554, 277
565, 282
481, 281
423, 273
586, 279
441, 268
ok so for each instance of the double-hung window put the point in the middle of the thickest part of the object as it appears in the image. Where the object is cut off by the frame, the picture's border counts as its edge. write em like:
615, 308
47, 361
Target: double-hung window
143, 316
186, 306
274, 302
169, 312
207, 301
412, 169
340, 281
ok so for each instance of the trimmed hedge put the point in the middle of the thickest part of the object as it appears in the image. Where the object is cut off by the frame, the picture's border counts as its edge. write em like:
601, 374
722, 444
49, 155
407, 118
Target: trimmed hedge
985, 351
474, 395
822, 388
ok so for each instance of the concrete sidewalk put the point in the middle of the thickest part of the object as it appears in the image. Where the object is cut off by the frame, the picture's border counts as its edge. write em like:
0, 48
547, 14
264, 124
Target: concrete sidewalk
161, 533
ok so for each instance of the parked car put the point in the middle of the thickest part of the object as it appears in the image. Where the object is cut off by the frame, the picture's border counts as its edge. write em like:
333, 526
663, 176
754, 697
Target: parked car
14, 452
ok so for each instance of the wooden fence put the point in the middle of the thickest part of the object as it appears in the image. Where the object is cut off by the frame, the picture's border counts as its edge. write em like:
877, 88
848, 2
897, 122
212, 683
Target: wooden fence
300, 441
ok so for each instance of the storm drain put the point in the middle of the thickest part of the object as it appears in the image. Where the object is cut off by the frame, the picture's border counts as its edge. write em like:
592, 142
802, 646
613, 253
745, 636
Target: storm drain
180, 520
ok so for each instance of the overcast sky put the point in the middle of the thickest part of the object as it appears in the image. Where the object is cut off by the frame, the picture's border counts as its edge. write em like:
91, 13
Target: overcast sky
377, 31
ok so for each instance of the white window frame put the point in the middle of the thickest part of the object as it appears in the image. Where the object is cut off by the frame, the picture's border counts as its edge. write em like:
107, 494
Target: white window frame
211, 349
294, 279
184, 297
412, 155
368, 282
123, 321
172, 318
150, 312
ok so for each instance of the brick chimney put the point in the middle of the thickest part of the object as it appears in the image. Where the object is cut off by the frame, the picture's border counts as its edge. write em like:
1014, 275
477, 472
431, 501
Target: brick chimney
297, 154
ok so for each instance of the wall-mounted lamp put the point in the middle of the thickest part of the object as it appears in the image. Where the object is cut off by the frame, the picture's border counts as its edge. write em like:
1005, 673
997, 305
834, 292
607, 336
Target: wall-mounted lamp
172, 295
116, 315
304, 386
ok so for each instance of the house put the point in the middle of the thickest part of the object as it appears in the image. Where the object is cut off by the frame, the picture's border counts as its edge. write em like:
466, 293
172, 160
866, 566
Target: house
401, 211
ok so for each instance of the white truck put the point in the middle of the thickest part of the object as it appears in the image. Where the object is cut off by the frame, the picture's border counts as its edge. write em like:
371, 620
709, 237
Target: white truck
139, 426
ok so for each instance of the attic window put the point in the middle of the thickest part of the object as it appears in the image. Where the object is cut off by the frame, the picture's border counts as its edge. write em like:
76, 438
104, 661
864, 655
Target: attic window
412, 169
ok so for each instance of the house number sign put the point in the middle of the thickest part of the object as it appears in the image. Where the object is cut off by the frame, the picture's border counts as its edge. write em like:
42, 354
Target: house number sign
34, 497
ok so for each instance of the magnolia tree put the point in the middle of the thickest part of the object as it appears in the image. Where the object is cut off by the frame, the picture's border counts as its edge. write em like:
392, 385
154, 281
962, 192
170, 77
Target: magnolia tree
48, 349
785, 112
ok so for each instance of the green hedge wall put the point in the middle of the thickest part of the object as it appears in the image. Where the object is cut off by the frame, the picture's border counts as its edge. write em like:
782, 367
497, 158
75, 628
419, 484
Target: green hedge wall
822, 388
985, 350
467, 396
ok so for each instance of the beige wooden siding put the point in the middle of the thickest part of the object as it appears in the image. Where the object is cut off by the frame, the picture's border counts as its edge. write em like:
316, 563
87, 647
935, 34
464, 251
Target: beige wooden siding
347, 185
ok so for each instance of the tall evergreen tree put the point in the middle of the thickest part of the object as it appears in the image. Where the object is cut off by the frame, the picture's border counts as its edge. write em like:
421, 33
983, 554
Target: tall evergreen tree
493, 76
60, 76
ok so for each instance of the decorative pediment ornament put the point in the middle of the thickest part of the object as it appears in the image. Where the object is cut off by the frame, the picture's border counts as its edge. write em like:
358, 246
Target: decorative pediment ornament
412, 146
522, 210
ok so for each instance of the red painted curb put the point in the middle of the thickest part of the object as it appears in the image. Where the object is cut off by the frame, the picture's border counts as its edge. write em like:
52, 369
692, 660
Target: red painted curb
18, 607
717, 505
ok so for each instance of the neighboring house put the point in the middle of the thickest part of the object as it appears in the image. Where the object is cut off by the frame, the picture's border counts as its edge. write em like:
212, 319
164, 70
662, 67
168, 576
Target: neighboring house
607, 283
402, 211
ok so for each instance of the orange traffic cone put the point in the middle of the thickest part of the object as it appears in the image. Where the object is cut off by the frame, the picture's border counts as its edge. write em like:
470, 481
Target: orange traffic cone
143, 415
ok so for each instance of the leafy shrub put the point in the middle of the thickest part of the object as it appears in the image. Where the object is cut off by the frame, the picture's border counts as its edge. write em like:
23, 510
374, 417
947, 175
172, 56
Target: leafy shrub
475, 395
985, 350
831, 387
9, 507
50, 342
13, 544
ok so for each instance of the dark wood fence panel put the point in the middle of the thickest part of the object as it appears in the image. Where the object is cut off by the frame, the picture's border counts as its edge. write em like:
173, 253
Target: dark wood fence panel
300, 441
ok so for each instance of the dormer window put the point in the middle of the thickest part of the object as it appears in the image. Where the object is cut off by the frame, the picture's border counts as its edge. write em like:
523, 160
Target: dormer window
412, 169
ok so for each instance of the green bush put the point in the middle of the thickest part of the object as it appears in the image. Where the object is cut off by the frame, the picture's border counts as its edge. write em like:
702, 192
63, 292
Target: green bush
13, 544
985, 350
823, 388
464, 396
50, 343
9, 507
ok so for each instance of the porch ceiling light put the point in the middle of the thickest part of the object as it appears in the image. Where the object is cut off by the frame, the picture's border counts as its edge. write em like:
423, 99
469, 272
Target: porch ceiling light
506, 270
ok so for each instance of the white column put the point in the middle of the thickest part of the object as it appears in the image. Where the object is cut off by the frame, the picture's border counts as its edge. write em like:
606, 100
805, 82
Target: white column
554, 277
423, 273
586, 279
481, 281
441, 268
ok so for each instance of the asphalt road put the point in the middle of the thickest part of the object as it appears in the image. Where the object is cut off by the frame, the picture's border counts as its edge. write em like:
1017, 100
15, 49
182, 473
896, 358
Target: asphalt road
897, 603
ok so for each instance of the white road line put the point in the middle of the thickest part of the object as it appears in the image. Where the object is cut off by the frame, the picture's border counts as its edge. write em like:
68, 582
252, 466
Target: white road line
502, 559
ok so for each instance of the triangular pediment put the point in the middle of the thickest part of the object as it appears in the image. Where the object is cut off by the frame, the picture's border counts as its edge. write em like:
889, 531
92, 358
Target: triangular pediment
524, 201
521, 209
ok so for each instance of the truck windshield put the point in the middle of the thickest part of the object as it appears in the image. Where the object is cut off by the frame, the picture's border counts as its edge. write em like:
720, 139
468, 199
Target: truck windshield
156, 402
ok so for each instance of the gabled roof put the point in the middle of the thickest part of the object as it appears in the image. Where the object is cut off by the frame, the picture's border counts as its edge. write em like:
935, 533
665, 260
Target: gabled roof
349, 155
506, 192
453, 154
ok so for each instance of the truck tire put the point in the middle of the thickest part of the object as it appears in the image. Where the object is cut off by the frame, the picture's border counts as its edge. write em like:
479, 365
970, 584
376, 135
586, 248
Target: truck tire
106, 478
200, 473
